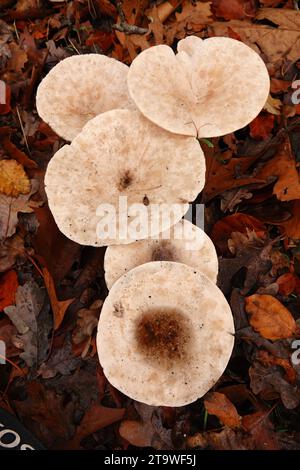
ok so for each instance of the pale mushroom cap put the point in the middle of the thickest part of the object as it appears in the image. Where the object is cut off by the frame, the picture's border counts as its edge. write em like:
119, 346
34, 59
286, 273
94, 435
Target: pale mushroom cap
165, 334
183, 243
210, 88
79, 88
121, 155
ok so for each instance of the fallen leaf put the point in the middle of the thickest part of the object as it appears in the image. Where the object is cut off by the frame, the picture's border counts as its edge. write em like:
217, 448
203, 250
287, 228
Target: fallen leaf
234, 9
269, 317
273, 105
61, 361
269, 360
10, 250
97, 417
5, 95
268, 381
13, 179
29, 302
288, 283
59, 307
11, 206
291, 227
261, 127
18, 58
261, 430
219, 405
17, 154
283, 166
136, 433
87, 322
8, 287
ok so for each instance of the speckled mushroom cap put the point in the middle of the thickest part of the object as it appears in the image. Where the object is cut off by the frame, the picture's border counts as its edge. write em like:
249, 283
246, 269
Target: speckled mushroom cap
79, 88
184, 243
165, 334
118, 154
209, 88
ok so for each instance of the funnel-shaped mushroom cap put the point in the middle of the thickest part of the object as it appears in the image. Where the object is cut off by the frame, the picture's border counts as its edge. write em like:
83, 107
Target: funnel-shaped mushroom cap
165, 334
210, 88
123, 179
79, 88
183, 243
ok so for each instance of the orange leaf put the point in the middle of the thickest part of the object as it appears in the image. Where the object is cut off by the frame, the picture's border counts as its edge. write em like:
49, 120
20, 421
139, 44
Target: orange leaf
8, 287
286, 283
219, 405
97, 417
269, 317
269, 360
59, 307
261, 127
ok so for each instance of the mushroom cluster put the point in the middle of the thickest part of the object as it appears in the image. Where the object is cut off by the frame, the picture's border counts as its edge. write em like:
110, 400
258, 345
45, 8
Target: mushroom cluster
166, 331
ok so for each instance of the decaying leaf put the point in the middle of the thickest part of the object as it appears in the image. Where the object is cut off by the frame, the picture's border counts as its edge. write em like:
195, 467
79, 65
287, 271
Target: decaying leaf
59, 307
269, 317
13, 179
8, 287
87, 322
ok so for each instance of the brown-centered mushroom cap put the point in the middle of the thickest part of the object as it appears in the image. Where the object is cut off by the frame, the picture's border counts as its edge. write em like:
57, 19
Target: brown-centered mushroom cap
209, 88
120, 153
165, 334
79, 88
183, 243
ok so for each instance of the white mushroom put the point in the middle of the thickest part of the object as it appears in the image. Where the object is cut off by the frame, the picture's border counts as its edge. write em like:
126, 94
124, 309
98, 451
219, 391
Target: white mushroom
165, 334
79, 88
123, 179
209, 88
184, 243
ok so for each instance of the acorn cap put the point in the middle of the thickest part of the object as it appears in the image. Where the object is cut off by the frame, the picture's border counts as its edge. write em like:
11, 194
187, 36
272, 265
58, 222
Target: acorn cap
120, 153
165, 334
209, 88
183, 243
79, 88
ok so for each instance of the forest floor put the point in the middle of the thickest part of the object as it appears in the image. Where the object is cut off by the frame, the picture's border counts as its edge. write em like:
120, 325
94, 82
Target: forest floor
52, 380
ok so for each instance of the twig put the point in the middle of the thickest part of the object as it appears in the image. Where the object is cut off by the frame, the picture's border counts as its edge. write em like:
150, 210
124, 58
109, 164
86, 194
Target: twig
123, 26
23, 130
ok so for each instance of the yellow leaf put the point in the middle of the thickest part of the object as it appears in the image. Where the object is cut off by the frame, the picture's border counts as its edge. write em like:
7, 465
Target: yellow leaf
13, 179
273, 105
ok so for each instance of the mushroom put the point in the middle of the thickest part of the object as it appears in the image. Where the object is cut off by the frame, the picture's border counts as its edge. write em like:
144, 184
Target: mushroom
209, 88
122, 179
165, 334
184, 243
79, 88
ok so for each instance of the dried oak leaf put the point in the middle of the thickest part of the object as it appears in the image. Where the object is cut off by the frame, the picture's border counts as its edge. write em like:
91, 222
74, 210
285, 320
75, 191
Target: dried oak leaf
276, 43
288, 283
291, 227
87, 321
219, 405
269, 317
137, 433
283, 165
8, 287
192, 17
61, 361
10, 206
262, 126
18, 58
29, 302
13, 179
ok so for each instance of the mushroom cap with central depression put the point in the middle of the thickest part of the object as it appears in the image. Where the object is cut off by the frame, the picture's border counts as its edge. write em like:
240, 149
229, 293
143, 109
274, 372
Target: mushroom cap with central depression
122, 179
165, 334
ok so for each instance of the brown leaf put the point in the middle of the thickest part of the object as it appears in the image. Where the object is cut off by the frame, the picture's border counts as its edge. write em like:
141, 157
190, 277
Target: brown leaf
17, 154
269, 317
234, 9
18, 58
10, 250
219, 405
8, 287
291, 227
11, 206
261, 430
268, 359
59, 307
288, 283
283, 165
97, 417
136, 433
261, 127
